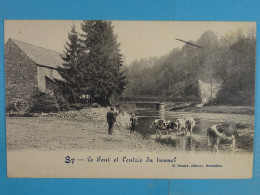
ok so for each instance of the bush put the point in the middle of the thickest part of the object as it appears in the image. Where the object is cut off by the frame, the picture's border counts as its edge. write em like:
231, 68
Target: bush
77, 106
95, 105
63, 104
43, 102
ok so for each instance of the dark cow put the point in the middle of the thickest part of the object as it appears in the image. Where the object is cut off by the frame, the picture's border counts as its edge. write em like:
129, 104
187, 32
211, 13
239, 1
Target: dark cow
163, 126
224, 131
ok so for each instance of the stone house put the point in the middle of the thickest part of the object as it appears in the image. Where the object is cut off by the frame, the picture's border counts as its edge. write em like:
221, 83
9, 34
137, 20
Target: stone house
29, 68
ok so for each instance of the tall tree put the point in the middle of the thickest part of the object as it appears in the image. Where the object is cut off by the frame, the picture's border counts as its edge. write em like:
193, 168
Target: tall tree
71, 72
103, 61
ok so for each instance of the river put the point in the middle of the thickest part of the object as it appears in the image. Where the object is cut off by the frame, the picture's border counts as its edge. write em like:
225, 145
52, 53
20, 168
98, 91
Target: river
198, 140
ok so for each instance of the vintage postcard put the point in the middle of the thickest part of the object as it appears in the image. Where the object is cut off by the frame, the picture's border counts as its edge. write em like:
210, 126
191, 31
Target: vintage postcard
129, 99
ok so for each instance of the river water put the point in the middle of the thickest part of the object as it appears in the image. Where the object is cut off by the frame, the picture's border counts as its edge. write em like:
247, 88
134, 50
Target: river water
198, 140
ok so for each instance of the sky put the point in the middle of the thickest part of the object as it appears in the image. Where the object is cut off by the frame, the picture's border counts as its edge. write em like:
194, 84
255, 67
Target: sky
138, 39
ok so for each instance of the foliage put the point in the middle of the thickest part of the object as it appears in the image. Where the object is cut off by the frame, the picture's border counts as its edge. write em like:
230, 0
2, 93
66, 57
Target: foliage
63, 104
95, 105
78, 106
191, 90
229, 60
43, 102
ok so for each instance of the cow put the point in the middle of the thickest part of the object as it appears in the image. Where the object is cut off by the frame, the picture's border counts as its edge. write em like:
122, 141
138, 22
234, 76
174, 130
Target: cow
189, 124
163, 126
224, 131
181, 124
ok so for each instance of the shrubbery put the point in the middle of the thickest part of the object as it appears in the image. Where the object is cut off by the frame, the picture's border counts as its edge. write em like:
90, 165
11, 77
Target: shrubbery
95, 105
77, 106
42, 102
63, 104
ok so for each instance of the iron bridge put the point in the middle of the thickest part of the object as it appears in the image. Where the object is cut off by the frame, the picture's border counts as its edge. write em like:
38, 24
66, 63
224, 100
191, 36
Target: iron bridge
159, 99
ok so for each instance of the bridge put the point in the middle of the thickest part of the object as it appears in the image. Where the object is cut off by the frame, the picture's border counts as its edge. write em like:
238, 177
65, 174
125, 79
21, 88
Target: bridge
159, 99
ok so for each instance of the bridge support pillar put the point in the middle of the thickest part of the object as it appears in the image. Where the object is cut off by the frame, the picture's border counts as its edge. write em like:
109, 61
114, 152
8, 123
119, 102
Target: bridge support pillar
160, 106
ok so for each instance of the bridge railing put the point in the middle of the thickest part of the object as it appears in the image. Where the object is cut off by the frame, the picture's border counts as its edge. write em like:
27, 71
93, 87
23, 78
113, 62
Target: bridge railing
158, 99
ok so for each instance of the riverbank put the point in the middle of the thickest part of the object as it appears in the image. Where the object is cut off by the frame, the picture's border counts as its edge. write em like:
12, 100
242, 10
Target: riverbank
49, 133
227, 109
86, 129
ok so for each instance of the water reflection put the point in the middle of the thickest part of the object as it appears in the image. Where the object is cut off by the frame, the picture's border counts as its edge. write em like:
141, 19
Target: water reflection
198, 140
187, 143
161, 115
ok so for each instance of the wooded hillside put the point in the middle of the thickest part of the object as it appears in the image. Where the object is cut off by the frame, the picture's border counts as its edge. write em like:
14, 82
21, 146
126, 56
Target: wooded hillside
229, 60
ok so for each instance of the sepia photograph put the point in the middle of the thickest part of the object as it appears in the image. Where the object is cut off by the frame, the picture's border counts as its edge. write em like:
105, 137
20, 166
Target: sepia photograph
129, 99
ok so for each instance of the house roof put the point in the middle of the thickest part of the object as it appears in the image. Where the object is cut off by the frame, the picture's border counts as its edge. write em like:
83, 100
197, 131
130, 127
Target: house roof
40, 55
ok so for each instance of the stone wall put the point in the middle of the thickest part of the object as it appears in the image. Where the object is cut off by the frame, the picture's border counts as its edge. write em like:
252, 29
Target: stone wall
42, 72
20, 74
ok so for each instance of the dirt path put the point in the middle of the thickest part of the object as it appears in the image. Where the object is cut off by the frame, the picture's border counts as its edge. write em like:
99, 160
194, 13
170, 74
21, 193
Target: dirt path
72, 134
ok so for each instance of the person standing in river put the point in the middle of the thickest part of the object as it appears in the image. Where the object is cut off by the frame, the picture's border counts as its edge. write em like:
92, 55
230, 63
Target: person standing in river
111, 119
133, 120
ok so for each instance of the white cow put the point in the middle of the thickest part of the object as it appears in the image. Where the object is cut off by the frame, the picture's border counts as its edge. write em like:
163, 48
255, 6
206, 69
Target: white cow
163, 126
180, 122
189, 124
185, 125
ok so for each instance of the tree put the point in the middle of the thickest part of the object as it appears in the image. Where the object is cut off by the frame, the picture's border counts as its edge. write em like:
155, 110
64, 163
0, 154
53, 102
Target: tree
237, 69
71, 72
102, 63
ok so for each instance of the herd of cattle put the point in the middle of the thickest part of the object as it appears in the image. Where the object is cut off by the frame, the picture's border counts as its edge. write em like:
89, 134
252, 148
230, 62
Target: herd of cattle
215, 133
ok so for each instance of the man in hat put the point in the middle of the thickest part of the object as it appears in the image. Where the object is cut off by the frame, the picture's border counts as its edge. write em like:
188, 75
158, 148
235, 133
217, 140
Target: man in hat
111, 119
133, 120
